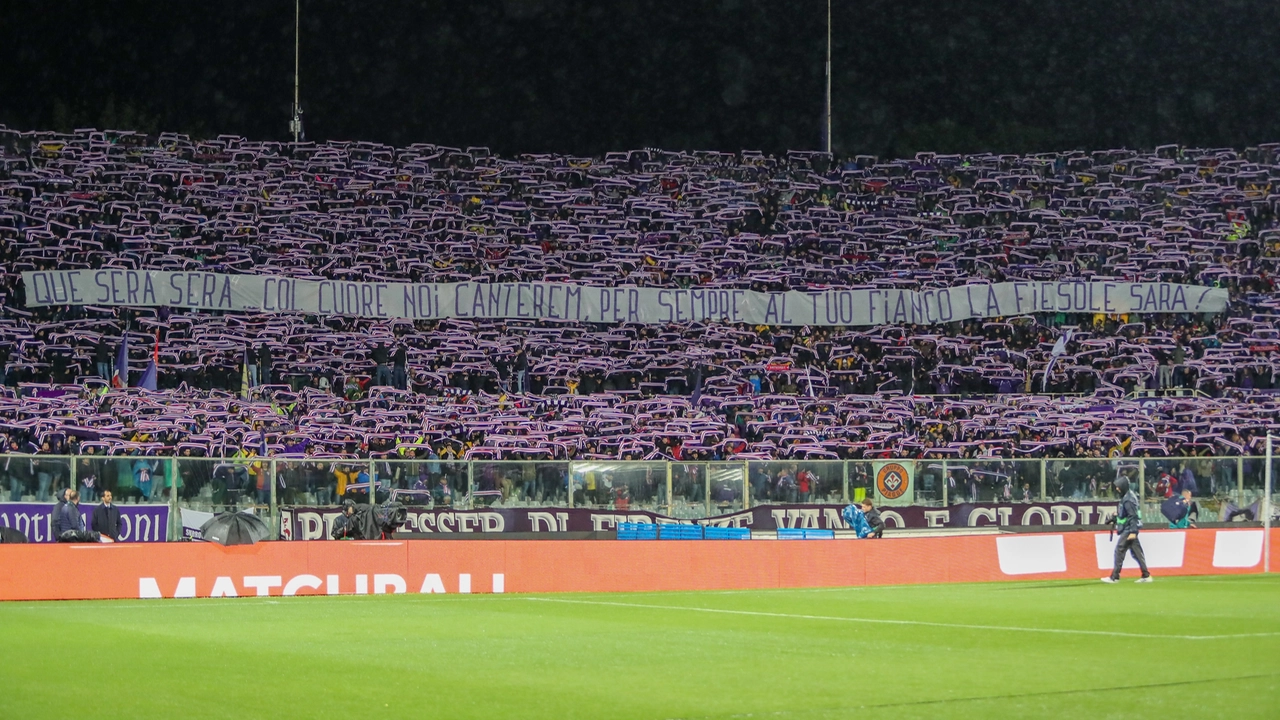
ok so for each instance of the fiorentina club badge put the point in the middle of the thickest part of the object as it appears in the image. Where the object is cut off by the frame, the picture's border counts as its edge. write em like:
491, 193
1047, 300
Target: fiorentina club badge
892, 481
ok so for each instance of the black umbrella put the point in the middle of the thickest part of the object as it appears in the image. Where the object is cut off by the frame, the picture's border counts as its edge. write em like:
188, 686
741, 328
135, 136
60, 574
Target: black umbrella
10, 535
376, 523
234, 529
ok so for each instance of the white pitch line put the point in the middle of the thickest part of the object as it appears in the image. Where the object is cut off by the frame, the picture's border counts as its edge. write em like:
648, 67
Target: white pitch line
882, 621
1198, 581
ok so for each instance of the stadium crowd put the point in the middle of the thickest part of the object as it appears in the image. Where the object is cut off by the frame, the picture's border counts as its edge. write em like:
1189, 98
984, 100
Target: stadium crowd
302, 386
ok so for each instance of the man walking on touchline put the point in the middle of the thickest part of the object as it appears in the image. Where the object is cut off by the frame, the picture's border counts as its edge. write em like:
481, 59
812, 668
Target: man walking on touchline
1128, 523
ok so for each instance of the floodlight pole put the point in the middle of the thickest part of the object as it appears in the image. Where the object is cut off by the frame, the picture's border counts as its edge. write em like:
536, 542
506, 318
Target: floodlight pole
295, 125
1266, 512
828, 103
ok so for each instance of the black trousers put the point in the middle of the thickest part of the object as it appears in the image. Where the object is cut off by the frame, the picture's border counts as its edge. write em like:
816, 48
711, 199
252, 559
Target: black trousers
1129, 544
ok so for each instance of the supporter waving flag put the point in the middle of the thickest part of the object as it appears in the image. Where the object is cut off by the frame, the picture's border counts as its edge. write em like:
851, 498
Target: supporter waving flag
120, 378
1059, 349
244, 375
148, 379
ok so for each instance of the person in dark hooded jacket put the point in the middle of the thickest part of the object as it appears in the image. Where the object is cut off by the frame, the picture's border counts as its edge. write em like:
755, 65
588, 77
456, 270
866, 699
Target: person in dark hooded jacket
1128, 523
343, 527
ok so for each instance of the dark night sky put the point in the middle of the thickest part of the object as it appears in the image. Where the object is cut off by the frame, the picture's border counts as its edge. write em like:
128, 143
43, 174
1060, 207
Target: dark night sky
587, 77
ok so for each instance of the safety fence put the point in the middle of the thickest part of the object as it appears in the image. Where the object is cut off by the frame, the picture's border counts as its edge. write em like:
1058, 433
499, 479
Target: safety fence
167, 498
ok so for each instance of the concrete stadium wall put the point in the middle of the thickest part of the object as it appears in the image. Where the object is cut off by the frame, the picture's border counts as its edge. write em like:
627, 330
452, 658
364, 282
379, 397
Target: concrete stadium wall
128, 570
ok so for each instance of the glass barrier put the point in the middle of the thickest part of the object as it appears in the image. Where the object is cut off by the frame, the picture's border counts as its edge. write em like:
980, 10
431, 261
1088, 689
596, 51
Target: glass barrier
35, 478
1030, 480
95, 474
552, 484
1253, 480
620, 485
16, 479
131, 479
862, 480
453, 484
796, 481
1001, 480
727, 487
930, 481
1254, 483
406, 481
1248, 500
1089, 479
688, 490
1206, 477
892, 482
1214, 484
517, 483
203, 487
1224, 488
1255, 492
213, 485
307, 482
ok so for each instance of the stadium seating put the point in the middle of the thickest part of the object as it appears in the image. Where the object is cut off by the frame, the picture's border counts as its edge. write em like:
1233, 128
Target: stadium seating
693, 391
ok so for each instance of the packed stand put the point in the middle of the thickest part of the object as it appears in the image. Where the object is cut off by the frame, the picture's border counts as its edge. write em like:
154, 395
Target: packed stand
476, 389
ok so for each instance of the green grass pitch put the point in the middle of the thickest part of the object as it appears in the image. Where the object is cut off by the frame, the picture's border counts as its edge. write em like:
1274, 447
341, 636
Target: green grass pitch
1206, 647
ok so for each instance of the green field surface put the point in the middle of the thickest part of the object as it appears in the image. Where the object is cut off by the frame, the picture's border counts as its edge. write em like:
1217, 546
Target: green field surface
1206, 647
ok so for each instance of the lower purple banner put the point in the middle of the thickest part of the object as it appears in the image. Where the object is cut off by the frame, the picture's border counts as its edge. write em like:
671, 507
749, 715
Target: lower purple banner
312, 523
138, 523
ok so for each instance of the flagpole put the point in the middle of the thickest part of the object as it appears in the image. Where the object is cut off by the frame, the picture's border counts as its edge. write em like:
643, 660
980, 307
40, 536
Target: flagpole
828, 68
1266, 512
295, 125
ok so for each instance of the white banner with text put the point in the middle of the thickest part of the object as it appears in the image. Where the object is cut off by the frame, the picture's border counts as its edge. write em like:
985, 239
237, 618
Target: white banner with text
583, 303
